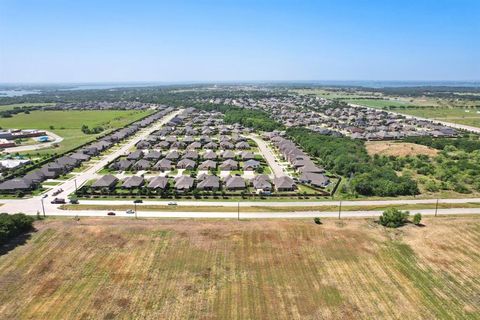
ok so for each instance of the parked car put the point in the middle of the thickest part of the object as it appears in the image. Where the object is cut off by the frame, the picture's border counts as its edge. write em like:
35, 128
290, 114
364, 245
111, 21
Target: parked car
130, 211
58, 201
172, 203
57, 192
111, 213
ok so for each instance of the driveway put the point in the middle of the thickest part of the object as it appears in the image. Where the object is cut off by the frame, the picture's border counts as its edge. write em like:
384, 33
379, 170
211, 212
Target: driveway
277, 169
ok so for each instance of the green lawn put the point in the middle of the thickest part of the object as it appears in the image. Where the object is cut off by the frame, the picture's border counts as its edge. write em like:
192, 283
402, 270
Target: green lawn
67, 124
13, 106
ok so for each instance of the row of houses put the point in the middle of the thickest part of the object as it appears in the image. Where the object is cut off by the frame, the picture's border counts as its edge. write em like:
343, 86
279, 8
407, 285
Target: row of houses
204, 182
67, 163
309, 172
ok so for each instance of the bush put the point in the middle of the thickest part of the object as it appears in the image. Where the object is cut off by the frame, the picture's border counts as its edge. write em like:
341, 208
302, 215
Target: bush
417, 218
317, 220
13, 225
393, 218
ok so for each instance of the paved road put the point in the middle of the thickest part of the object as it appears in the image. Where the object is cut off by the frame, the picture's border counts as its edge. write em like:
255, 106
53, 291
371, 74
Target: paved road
277, 169
253, 215
445, 123
55, 139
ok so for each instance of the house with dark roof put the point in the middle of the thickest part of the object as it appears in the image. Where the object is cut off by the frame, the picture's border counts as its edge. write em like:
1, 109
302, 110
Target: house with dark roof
153, 155
209, 182
228, 154
284, 183
136, 155
142, 164
229, 165
247, 155
251, 165
16, 184
80, 156
121, 165
108, 181
183, 183
211, 145
172, 155
314, 179
207, 165
186, 164
190, 154
234, 183
210, 155
158, 183
242, 145
262, 184
133, 182
163, 165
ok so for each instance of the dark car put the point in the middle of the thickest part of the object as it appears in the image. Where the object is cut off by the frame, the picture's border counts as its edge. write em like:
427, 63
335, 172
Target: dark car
58, 201
111, 213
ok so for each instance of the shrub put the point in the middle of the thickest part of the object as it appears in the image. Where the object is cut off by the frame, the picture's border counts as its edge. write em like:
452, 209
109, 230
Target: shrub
417, 218
317, 220
393, 218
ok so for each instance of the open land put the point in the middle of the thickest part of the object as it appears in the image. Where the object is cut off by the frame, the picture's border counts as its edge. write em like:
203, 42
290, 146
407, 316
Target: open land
67, 124
152, 269
398, 149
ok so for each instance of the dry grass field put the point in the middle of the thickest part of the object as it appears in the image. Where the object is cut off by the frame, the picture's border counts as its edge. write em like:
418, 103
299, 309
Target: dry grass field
398, 149
191, 269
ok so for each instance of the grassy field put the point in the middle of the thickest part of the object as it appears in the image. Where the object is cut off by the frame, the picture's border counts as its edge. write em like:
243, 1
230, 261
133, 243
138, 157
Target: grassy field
13, 106
185, 269
470, 116
67, 124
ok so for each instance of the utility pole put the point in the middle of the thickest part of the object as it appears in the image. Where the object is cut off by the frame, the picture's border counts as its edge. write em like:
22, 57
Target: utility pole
436, 208
238, 211
43, 207
339, 209
135, 205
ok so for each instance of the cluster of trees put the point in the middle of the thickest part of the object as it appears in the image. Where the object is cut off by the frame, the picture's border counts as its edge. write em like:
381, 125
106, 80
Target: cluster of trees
255, 119
10, 113
14, 225
252, 118
452, 169
349, 158
94, 130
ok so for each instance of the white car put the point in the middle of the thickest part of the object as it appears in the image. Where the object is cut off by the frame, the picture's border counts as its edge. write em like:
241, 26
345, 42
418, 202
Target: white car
172, 203
130, 211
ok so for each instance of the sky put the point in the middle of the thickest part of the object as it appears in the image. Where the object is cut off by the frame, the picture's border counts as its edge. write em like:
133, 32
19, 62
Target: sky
55, 41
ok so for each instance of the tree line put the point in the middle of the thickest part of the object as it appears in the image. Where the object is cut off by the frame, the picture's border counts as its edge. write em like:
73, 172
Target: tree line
349, 158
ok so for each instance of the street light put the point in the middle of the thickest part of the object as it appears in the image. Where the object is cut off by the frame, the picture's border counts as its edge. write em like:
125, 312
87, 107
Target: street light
43, 207
238, 211
339, 209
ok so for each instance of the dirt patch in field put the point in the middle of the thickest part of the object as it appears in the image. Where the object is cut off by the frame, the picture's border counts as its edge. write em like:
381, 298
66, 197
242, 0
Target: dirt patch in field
398, 149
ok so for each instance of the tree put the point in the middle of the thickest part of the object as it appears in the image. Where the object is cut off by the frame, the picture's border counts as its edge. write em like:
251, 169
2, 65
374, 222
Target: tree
73, 199
417, 218
317, 220
393, 218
